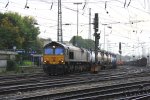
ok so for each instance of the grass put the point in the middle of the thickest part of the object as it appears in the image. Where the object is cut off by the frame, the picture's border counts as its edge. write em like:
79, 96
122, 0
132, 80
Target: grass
14, 68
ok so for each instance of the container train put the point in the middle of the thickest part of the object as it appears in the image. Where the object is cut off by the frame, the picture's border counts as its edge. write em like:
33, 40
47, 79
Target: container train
138, 62
59, 58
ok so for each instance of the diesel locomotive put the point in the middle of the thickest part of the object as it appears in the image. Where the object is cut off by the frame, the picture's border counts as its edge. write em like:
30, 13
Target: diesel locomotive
59, 58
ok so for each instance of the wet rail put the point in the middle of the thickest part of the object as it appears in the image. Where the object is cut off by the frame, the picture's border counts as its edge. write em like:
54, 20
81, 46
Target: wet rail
114, 91
48, 82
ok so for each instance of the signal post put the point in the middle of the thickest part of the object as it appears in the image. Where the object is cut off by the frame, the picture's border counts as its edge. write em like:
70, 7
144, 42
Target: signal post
95, 68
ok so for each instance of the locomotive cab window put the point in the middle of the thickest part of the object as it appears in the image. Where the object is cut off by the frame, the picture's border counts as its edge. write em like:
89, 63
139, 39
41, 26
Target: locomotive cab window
59, 51
71, 55
48, 51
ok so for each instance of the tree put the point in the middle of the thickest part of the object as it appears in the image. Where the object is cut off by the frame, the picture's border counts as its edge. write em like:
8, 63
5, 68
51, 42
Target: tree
8, 34
17, 30
83, 43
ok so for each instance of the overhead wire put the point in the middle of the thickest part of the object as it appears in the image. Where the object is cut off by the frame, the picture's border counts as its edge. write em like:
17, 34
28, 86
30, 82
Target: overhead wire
29, 10
26, 5
51, 6
85, 2
7, 4
66, 7
129, 3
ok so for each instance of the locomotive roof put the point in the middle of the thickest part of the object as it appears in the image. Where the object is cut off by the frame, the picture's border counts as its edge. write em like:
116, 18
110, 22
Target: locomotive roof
55, 43
66, 46
71, 47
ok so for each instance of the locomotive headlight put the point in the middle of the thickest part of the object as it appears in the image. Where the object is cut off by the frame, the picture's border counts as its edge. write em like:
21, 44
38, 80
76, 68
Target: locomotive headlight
46, 61
53, 46
61, 61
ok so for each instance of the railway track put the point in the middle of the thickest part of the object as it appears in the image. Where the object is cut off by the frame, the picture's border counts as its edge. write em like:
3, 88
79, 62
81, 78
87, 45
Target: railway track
24, 75
58, 83
21, 79
145, 96
32, 78
84, 77
17, 91
121, 91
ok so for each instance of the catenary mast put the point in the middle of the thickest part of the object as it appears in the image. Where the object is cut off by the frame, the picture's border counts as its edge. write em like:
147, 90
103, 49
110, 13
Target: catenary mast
89, 37
59, 27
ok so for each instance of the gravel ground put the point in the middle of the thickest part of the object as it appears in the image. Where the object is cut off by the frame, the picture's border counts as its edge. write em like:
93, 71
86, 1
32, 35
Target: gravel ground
85, 85
81, 86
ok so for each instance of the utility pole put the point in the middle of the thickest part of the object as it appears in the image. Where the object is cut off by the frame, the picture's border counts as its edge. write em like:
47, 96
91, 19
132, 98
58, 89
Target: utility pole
97, 36
77, 19
104, 35
89, 23
59, 27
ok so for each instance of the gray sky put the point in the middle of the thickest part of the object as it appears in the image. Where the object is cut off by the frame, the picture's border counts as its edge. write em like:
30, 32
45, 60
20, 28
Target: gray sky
129, 20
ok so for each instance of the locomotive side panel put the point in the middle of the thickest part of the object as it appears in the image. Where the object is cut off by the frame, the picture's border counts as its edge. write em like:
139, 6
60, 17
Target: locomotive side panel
92, 57
109, 58
66, 55
78, 55
99, 58
105, 58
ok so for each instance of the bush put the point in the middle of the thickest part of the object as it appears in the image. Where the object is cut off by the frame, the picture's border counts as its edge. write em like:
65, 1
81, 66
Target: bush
27, 63
11, 65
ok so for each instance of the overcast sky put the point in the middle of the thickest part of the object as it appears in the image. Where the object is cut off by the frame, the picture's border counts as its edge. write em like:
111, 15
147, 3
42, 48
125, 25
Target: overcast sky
128, 21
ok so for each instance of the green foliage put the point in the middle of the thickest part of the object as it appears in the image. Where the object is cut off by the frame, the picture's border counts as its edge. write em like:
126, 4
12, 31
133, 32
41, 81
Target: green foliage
84, 43
27, 63
11, 65
18, 31
39, 45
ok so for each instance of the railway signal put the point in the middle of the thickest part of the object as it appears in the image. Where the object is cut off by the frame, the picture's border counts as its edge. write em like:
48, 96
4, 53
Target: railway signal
97, 36
120, 48
96, 22
95, 68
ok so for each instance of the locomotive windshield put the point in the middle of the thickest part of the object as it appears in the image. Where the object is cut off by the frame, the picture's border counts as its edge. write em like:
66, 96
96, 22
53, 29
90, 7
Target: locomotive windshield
48, 51
56, 51
59, 51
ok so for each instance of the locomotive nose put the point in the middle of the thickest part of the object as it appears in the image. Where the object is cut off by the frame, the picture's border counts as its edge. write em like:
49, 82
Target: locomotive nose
54, 59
